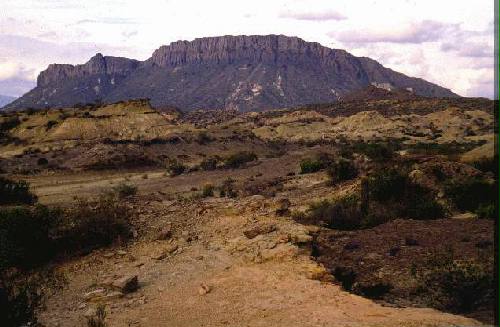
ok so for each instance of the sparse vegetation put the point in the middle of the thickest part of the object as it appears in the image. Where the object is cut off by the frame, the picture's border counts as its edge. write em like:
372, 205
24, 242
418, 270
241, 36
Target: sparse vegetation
308, 166
209, 164
343, 213
457, 285
238, 159
99, 319
12, 192
124, 190
470, 193
208, 190
394, 189
226, 189
341, 170
175, 168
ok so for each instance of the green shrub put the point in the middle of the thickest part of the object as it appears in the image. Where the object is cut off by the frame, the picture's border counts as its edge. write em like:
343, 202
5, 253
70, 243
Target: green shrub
308, 166
342, 214
50, 124
203, 138
21, 295
88, 225
208, 190
341, 170
124, 190
24, 235
236, 160
227, 188
387, 184
12, 192
457, 285
376, 151
393, 189
209, 164
486, 211
9, 123
469, 193
488, 165
175, 168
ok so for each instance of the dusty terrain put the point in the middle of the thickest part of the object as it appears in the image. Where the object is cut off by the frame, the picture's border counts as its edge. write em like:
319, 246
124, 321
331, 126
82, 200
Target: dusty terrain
240, 261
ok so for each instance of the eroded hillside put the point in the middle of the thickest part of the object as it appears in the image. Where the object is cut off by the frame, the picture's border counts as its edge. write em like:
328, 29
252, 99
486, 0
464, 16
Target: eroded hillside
354, 214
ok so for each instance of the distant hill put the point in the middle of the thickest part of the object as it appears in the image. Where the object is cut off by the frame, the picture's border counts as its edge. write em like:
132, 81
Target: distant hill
5, 99
228, 72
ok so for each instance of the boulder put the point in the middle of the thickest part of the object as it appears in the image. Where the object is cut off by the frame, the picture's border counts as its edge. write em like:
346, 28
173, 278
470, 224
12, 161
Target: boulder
260, 229
126, 284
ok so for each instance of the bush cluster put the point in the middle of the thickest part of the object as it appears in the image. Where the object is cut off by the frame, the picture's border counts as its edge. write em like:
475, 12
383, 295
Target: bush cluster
238, 159
341, 170
456, 285
474, 194
15, 192
394, 189
175, 168
209, 164
124, 190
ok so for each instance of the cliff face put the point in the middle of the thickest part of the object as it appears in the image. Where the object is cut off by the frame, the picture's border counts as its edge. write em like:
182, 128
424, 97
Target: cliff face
238, 72
98, 64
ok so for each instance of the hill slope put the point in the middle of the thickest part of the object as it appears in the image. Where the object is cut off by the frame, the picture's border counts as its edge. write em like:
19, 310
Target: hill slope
5, 99
238, 72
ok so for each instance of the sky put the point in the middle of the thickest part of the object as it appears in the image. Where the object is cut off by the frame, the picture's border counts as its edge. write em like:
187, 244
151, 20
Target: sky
447, 42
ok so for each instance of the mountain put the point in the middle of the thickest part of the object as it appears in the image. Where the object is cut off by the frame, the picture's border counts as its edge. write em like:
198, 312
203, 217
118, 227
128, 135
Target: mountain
5, 99
231, 72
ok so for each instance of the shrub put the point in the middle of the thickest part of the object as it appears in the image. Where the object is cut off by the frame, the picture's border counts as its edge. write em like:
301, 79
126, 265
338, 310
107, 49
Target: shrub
227, 188
8, 124
50, 124
396, 191
92, 224
175, 168
42, 161
24, 235
386, 185
124, 190
376, 151
488, 165
236, 160
12, 192
99, 319
471, 192
486, 211
208, 190
308, 166
19, 298
341, 170
209, 164
203, 138
457, 285
343, 214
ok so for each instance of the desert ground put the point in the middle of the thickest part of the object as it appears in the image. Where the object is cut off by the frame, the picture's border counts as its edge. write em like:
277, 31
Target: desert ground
227, 227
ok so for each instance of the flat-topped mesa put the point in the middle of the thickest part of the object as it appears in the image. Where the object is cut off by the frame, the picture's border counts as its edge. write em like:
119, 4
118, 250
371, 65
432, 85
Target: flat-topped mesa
256, 72
242, 48
98, 64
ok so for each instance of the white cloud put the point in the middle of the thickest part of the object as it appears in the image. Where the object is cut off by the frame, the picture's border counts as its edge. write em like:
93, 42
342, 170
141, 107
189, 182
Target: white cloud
314, 16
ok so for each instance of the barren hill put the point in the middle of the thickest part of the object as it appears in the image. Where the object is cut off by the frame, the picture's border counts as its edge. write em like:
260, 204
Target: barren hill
247, 73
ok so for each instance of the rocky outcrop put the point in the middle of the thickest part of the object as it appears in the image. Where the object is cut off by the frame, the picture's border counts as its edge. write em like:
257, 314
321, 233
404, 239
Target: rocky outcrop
57, 73
228, 72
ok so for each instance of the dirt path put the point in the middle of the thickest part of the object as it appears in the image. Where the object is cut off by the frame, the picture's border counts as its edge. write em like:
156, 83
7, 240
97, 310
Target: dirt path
268, 280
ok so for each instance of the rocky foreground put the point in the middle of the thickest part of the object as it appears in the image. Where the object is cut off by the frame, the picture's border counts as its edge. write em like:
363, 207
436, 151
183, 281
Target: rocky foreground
219, 262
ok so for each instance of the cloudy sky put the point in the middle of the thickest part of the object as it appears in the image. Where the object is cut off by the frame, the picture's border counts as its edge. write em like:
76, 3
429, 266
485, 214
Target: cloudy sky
448, 42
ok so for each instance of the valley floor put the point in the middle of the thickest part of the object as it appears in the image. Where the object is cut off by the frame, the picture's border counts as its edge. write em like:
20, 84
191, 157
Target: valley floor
216, 276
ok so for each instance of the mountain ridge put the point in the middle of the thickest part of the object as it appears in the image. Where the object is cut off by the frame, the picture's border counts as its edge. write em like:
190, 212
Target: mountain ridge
232, 72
